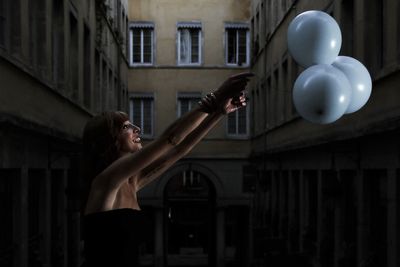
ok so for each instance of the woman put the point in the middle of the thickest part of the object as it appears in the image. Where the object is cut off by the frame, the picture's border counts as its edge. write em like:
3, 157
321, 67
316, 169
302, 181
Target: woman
119, 167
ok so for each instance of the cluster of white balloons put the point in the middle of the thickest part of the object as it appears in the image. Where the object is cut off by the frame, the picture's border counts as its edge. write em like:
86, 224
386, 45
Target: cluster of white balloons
331, 85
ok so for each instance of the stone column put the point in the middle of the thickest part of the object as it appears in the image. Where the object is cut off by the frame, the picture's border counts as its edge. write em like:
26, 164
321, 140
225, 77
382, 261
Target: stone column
302, 208
20, 234
392, 221
320, 216
220, 238
47, 219
362, 221
281, 205
292, 209
158, 238
74, 243
274, 201
250, 239
65, 216
339, 225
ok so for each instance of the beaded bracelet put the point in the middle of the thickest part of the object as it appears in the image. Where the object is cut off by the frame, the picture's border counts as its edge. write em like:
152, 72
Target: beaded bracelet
209, 103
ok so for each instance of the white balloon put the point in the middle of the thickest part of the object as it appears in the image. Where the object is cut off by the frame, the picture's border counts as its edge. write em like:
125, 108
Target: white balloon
359, 78
321, 94
313, 38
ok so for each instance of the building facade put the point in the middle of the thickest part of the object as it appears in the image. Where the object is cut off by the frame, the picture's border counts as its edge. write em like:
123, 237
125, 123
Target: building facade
326, 195
61, 61
179, 51
264, 188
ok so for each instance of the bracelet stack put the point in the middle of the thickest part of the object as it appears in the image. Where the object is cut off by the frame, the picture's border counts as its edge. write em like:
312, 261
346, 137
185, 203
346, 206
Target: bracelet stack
209, 103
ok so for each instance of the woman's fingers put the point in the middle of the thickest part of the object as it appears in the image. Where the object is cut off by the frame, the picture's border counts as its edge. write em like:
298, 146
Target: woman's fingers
240, 100
234, 85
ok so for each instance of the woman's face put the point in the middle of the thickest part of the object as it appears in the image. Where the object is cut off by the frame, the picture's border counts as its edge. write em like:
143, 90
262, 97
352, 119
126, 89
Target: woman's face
128, 140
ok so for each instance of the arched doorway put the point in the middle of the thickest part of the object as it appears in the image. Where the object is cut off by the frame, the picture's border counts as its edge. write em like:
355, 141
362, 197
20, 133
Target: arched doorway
189, 201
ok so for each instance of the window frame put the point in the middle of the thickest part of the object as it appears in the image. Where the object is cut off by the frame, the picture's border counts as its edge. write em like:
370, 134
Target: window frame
141, 26
237, 26
189, 25
142, 96
237, 135
185, 95
6, 24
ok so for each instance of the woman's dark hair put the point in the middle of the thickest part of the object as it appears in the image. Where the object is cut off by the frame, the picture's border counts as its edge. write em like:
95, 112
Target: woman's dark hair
99, 144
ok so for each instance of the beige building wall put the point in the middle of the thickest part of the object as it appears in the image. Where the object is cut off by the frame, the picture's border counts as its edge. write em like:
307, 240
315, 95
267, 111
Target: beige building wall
220, 157
165, 78
212, 14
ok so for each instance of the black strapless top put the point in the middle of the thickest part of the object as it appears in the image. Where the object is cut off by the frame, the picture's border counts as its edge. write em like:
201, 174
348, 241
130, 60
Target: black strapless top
111, 238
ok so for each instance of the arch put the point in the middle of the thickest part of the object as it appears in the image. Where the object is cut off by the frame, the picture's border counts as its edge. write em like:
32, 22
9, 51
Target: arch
178, 168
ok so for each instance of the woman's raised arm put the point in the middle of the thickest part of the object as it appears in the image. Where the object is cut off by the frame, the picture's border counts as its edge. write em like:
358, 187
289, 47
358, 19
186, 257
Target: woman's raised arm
155, 169
130, 165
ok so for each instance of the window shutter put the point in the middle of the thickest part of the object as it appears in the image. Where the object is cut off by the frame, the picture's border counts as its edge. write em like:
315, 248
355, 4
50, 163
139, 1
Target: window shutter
185, 45
40, 14
147, 40
141, 112
137, 112
242, 128
3, 20
189, 42
236, 43
187, 101
232, 123
142, 42
193, 102
184, 106
231, 46
195, 33
136, 45
242, 57
147, 103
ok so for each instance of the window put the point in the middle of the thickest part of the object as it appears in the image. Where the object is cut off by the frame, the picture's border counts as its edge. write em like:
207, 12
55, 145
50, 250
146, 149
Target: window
87, 67
141, 112
192, 180
58, 44
347, 22
73, 57
374, 52
141, 40
237, 44
249, 178
36, 225
186, 101
3, 22
238, 123
104, 84
186, 184
15, 27
189, 43
98, 84
9, 187
38, 35
123, 30
110, 98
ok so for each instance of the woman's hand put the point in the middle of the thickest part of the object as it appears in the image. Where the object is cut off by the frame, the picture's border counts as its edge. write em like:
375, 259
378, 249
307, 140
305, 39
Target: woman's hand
233, 104
233, 86
228, 97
